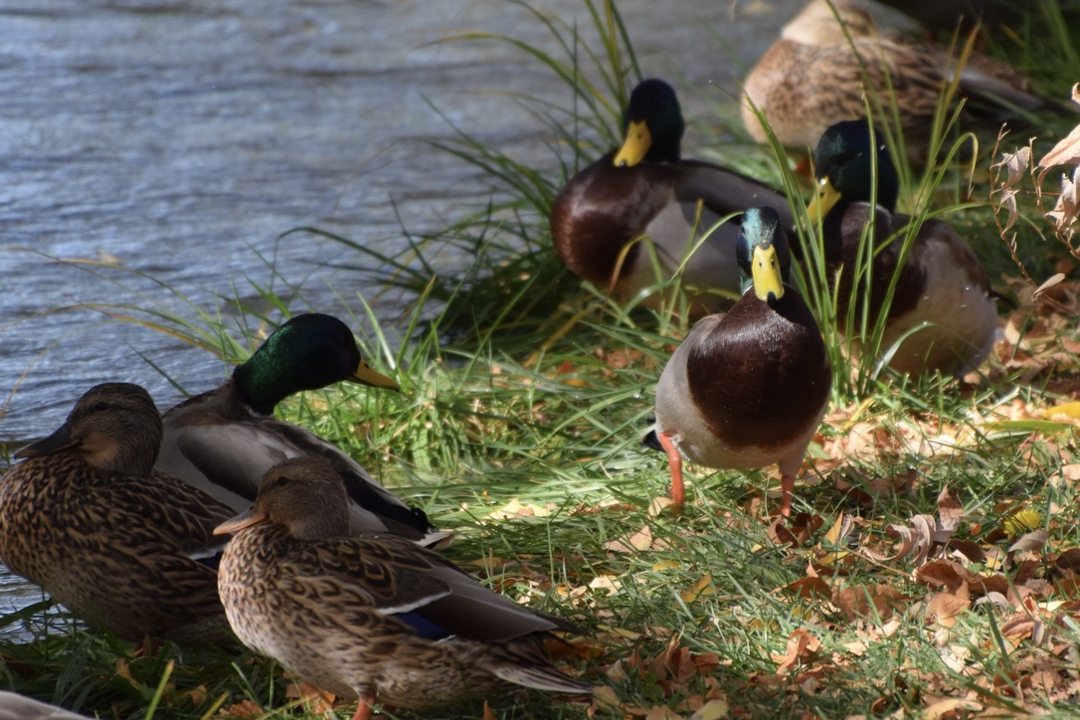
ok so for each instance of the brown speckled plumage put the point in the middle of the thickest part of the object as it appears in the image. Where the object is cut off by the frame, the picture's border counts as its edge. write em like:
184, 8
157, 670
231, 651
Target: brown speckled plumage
811, 77
83, 517
369, 616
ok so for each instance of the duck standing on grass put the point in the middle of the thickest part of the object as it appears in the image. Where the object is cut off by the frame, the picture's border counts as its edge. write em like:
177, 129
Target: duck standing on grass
748, 388
645, 189
224, 440
942, 292
817, 73
370, 616
85, 517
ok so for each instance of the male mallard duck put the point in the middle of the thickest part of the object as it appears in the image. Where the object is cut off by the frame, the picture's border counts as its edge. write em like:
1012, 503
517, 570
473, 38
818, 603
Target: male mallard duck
941, 284
810, 78
224, 440
645, 189
370, 616
748, 388
85, 517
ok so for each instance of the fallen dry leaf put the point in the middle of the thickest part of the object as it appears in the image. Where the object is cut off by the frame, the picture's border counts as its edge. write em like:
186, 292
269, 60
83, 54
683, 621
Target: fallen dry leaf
640, 541
801, 649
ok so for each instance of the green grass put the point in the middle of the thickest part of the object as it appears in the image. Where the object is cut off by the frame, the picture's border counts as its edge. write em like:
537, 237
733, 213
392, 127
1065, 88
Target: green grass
523, 388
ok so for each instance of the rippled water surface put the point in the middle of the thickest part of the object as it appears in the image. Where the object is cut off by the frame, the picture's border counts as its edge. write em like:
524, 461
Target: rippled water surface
182, 138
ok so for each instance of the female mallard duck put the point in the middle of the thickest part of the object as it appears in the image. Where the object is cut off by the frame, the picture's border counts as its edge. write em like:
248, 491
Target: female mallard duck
810, 78
748, 388
370, 616
644, 189
224, 440
85, 517
942, 291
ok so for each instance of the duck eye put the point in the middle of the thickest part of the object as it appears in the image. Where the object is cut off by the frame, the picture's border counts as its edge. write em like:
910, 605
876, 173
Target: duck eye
281, 480
101, 406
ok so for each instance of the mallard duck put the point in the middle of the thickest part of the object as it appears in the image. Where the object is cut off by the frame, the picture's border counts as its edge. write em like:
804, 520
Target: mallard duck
810, 78
371, 616
748, 388
942, 287
85, 517
644, 189
224, 440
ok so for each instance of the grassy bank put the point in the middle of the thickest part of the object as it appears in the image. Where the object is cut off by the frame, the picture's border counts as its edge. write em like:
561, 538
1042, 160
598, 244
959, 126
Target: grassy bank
931, 568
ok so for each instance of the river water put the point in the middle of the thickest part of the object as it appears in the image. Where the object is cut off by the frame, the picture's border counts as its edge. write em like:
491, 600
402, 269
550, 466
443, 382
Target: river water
182, 137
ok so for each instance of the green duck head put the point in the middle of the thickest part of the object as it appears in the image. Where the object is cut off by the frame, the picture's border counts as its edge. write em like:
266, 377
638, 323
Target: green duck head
308, 352
652, 125
304, 494
843, 164
115, 426
763, 254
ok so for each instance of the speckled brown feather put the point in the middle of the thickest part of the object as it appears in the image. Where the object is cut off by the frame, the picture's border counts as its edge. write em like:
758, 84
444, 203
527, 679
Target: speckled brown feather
812, 77
114, 548
331, 608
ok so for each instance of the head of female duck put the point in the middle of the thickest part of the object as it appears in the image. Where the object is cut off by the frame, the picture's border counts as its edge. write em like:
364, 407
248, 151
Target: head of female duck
844, 163
308, 352
653, 125
763, 254
303, 494
114, 426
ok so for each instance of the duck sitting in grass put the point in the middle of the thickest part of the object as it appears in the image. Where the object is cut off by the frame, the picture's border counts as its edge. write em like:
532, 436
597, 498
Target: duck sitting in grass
371, 616
817, 73
85, 517
942, 295
645, 190
748, 388
224, 440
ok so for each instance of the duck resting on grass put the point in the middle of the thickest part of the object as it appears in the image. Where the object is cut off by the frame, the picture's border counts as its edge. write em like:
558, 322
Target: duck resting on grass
224, 440
814, 76
371, 616
85, 517
645, 189
748, 388
942, 293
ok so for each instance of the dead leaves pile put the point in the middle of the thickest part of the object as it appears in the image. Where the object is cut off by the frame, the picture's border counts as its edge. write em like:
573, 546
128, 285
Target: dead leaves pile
1008, 180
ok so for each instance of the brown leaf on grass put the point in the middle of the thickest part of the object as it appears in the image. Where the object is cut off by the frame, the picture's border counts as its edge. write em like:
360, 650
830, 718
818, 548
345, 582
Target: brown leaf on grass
242, 709
489, 714
946, 606
702, 588
1069, 560
877, 602
808, 588
318, 700
197, 695
640, 541
950, 513
970, 549
916, 539
1031, 542
605, 700
801, 648
840, 530
712, 710
943, 574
